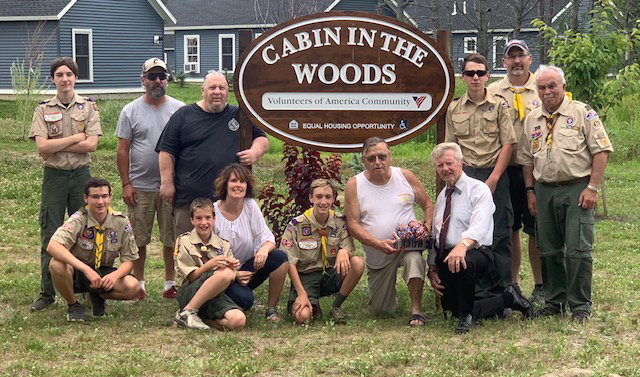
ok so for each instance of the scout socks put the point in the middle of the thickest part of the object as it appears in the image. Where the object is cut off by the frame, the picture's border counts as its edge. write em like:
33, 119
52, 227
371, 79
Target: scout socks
168, 284
141, 282
338, 300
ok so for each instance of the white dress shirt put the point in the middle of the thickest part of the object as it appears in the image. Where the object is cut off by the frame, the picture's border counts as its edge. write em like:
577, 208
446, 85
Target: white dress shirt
472, 211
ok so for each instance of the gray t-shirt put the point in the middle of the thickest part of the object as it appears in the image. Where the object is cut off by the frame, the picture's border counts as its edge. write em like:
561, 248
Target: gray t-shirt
143, 124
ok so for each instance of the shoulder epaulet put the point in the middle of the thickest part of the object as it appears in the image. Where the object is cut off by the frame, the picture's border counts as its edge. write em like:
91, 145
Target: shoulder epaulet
82, 210
42, 102
586, 106
118, 213
89, 99
499, 95
340, 215
455, 99
185, 234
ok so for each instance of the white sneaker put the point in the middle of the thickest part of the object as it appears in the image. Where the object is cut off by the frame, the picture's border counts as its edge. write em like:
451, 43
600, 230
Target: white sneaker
189, 319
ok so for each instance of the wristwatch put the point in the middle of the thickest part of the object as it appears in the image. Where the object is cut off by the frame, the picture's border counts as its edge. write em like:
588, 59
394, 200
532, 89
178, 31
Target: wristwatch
593, 188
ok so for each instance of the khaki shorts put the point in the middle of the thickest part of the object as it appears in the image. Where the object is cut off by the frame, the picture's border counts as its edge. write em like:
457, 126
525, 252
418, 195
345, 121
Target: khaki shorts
182, 219
382, 282
150, 205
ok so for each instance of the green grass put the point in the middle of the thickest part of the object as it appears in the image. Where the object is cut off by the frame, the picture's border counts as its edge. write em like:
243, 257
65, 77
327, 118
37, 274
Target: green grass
138, 339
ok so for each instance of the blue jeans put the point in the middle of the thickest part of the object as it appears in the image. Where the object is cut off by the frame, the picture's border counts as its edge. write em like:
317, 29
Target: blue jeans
243, 294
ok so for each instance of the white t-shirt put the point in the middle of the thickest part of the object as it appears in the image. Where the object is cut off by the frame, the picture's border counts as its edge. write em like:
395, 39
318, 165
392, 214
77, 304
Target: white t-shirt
246, 233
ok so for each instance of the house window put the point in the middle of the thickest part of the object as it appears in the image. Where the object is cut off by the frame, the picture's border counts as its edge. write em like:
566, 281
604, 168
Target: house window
470, 45
82, 41
455, 8
498, 51
192, 53
257, 34
227, 51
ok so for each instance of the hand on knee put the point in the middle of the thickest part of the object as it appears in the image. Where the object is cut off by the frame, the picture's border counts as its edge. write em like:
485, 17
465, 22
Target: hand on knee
302, 316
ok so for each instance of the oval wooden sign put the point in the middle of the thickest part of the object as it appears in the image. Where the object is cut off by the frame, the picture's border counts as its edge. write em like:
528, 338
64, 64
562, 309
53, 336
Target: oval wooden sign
329, 81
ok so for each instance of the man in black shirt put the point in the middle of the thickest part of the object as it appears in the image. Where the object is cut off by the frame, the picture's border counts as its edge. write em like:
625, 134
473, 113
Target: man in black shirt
198, 141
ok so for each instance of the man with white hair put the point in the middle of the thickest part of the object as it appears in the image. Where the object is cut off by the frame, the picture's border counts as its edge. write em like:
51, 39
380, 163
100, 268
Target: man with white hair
565, 154
139, 127
463, 234
199, 140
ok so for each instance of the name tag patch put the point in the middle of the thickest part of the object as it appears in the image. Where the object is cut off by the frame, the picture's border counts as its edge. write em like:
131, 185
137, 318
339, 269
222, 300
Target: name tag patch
308, 244
53, 117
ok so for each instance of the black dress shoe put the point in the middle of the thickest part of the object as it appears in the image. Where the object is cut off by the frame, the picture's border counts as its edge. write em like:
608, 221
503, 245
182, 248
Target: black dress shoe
465, 324
520, 303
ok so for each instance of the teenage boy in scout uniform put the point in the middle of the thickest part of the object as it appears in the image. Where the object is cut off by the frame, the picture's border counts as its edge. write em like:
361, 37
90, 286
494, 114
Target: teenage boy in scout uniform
565, 155
204, 269
321, 260
84, 249
480, 123
65, 129
518, 87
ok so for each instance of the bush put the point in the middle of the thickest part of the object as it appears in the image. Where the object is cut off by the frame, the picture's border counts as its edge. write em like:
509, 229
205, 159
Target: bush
180, 78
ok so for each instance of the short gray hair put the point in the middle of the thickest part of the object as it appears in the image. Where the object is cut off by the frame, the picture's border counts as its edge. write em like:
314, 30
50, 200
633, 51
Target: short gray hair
373, 140
215, 73
439, 150
544, 68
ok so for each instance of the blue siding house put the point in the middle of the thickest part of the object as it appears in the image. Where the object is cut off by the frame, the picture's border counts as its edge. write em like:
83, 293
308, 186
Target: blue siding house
109, 39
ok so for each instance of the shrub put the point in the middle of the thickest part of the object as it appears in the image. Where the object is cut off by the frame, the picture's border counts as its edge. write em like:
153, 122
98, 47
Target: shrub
302, 166
180, 78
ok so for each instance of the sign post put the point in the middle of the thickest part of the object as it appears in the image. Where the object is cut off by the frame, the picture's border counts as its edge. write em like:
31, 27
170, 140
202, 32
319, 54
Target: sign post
329, 81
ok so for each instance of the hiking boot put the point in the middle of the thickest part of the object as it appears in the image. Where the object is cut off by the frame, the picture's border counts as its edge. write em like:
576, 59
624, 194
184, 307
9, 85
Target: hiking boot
580, 316
465, 324
548, 311
189, 319
519, 302
75, 313
170, 293
338, 315
537, 296
97, 304
42, 303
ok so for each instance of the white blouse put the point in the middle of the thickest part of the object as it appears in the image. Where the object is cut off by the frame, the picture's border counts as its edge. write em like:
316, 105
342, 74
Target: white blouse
246, 233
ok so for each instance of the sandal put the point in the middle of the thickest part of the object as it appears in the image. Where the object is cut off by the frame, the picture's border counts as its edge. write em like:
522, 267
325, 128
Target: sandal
272, 315
416, 317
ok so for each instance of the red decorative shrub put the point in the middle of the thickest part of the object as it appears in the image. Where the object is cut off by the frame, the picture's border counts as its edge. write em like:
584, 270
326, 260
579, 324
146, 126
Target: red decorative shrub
302, 166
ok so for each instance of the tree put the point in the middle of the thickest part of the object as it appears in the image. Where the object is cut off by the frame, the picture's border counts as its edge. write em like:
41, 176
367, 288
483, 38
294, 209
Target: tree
520, 10
278, 11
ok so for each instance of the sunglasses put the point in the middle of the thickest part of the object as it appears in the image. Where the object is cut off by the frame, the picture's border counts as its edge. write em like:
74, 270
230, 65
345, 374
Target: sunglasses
473, 73
155, 76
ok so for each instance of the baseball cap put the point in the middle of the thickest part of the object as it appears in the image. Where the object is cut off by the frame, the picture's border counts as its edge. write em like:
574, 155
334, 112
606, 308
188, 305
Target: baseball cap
516, 43
154, 62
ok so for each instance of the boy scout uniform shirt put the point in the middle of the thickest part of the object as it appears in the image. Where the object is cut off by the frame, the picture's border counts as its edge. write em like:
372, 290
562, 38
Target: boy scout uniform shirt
480, 129
530, 101
189, 250
303, 243
52, 120
78, 235
577, 135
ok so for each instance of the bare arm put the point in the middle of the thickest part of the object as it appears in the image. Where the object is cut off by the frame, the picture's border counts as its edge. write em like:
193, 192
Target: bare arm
501, 165
59, 252
421, 198
258, 147
588, 197
217, 263
122, 161
50, 146
167, 189
86, 146
352, 210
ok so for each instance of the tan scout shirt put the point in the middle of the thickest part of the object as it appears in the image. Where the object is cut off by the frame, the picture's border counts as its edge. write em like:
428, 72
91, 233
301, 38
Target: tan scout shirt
480, 129
189, 250
529, 99
578, 134
303, 244
52, 120
78, 235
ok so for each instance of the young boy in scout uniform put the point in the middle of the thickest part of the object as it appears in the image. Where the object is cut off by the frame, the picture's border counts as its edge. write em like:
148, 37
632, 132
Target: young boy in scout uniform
321, 260
204, 269
84, 249
65, 129
565, 155
480, 123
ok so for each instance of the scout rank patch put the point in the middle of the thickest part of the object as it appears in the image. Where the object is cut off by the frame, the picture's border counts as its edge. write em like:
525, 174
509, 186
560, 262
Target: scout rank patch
88, 233
113, 236
306, 230
334, 251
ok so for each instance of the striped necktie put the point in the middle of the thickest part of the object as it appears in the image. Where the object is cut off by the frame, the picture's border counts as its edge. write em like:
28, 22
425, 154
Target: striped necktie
445, 221
551, 121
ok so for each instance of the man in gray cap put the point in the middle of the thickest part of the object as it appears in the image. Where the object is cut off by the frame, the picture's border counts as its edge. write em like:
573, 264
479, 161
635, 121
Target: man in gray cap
518, 87
139, 127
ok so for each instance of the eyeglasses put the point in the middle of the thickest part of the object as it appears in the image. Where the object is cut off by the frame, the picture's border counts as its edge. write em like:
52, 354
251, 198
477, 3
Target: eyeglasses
155, 76
98, 196
514, 57
381, 157
473, 73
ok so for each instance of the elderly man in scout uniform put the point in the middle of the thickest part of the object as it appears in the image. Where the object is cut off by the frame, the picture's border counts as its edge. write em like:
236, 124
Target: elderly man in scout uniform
480, 123
566, 153
65, 129
518, 87
205, 267
84, 249
321, 260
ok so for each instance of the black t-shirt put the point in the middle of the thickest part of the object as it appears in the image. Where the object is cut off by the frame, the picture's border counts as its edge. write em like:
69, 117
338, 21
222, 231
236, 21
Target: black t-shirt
202, 144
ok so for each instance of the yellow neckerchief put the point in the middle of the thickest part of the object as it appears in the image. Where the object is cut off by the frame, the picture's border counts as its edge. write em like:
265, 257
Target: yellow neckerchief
569, 95
517, 101
323, 239
99, 236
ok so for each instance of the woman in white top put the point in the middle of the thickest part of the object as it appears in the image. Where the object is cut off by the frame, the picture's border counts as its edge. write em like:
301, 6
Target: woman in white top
239, 221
